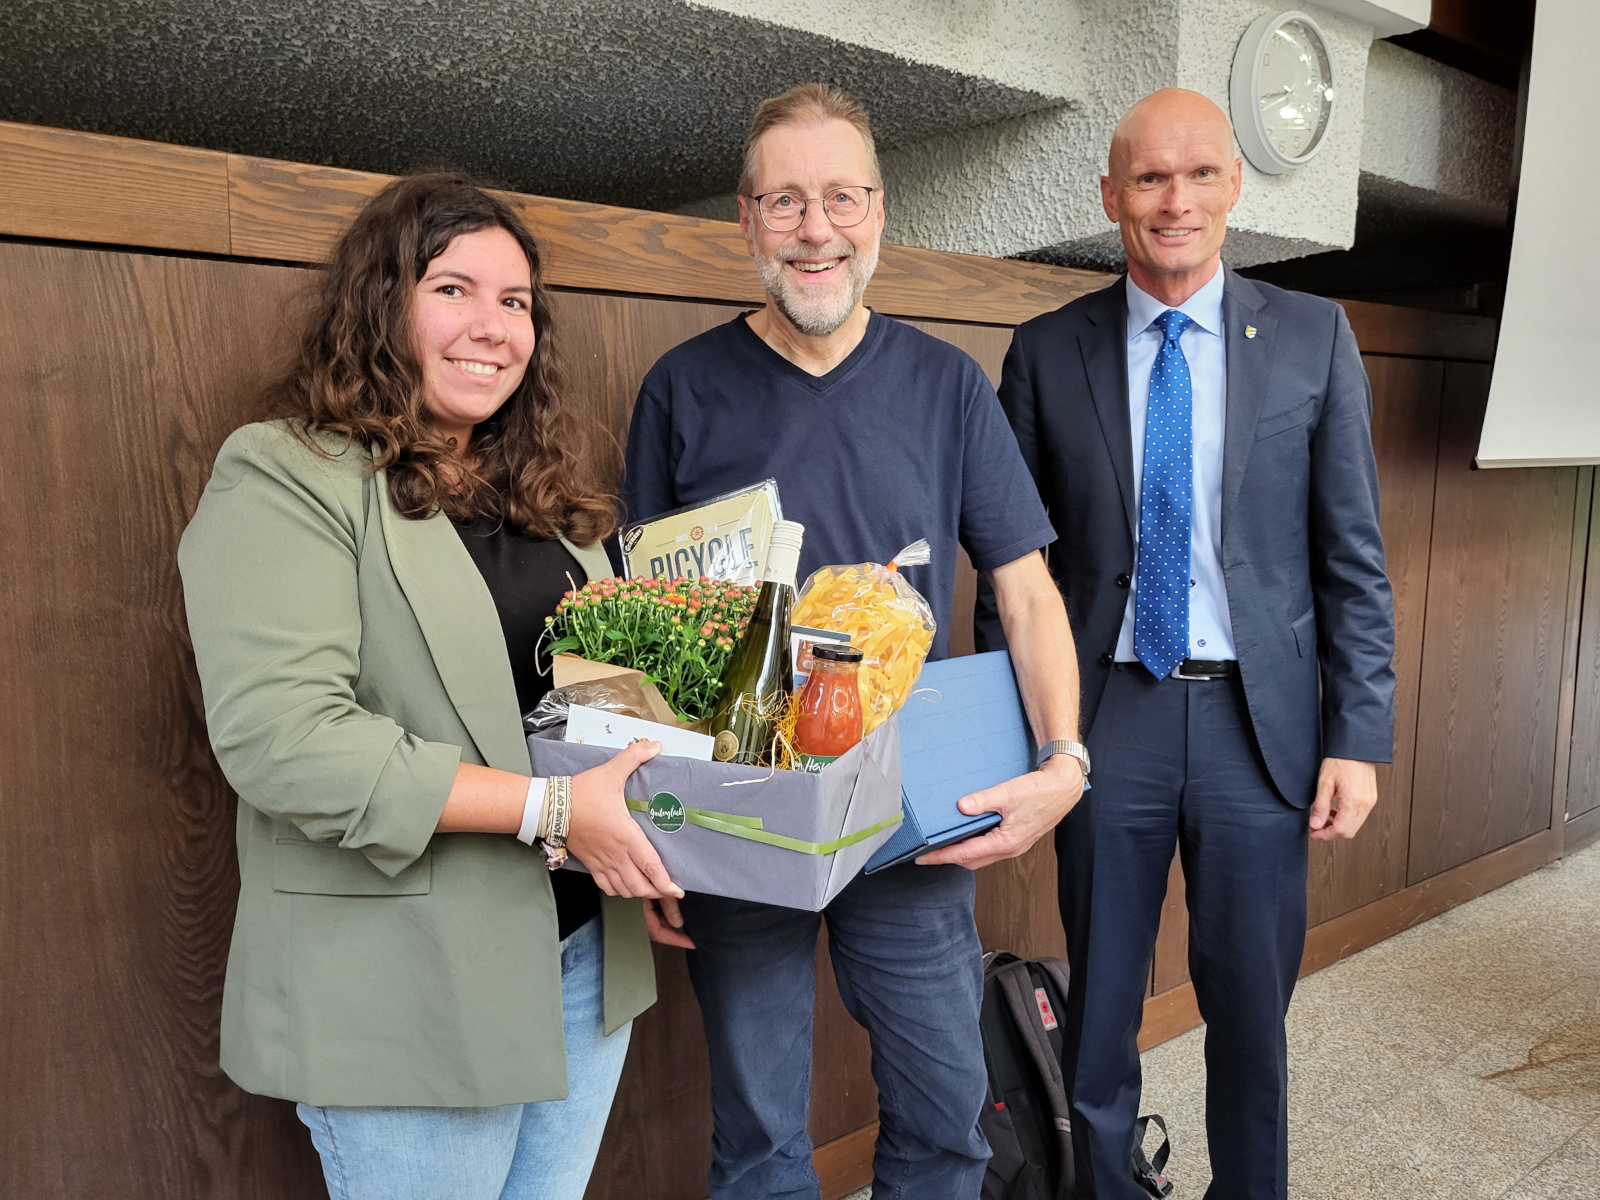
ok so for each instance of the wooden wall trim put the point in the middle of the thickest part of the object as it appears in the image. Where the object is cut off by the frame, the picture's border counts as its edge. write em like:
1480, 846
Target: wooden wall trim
845, 1164
293, 212
1176, 1011
70, 186
1580, 832
1371, 923
88, 187
1417, 333
82, 187
1566, 706
1168, 1014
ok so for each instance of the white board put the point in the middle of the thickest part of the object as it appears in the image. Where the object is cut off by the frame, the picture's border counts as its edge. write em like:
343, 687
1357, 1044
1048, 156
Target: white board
1544, 402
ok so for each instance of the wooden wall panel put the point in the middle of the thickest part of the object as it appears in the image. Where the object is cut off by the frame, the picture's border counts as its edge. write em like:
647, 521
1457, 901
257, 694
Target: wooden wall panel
75, 186
1406, 396
119, 377
114, 918
1583, 777
1169, 968
988, 345
606, 344
1495, 620
1566, 704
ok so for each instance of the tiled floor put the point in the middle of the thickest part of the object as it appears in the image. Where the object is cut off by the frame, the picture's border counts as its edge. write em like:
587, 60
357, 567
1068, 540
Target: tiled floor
1460, 1059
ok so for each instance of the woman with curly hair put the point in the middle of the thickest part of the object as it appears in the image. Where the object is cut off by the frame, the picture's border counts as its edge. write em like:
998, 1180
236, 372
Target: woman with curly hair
366, 581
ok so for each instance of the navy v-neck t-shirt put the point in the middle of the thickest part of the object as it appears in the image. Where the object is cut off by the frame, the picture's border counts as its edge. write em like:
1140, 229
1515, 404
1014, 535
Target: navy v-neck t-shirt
904, 439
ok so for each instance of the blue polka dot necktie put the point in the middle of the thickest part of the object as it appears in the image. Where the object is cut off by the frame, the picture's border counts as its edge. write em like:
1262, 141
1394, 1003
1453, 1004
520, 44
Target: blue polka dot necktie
1166, 507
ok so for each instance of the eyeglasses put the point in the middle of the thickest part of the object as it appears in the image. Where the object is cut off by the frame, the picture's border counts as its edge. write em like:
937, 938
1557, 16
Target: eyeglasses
783, 212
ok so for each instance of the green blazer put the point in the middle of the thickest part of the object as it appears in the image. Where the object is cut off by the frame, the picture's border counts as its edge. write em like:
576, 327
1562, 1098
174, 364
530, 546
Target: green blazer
350, 659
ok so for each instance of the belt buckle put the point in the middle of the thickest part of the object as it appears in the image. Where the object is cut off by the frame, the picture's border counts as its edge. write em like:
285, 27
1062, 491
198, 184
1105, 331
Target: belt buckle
1177, 673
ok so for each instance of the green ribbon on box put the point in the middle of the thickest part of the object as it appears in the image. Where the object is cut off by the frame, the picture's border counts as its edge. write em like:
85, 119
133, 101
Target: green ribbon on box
752, 829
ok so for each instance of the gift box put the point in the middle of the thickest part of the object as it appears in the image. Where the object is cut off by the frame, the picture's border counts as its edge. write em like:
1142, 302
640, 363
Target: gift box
788, 838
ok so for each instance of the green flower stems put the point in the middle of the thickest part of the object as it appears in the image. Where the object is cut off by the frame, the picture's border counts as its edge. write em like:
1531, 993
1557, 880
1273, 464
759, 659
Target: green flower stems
681, 633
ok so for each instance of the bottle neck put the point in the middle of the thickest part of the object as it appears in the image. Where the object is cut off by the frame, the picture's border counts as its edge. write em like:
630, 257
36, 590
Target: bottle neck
781, 571
783, 555
772, 596
774, 577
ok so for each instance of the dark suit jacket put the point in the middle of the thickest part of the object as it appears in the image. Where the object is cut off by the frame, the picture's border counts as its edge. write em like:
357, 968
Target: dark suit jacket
1312, 614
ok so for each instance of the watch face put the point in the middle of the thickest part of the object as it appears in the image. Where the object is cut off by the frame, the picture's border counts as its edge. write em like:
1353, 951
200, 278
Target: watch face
1295, 89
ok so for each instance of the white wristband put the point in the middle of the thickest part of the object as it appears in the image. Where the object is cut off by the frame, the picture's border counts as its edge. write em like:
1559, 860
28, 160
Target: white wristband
533, 810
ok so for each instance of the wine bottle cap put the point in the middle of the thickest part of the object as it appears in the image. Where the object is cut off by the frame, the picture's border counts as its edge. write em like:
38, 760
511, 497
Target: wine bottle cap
783, 552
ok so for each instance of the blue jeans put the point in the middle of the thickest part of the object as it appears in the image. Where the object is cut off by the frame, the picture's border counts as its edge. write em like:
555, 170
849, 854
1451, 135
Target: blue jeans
539, 1151
910, 970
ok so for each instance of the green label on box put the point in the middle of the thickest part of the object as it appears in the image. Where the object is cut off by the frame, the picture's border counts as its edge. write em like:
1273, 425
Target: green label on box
666, 812
814, 764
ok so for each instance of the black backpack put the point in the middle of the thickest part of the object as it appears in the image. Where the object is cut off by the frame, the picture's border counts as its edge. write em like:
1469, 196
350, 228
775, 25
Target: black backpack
1025, 1114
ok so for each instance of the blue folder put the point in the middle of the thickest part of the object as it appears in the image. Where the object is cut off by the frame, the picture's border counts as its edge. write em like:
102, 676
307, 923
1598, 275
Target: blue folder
962, 730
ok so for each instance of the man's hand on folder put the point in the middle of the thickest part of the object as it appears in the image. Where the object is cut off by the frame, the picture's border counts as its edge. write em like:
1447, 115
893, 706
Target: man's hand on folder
1035, 623
1030, 806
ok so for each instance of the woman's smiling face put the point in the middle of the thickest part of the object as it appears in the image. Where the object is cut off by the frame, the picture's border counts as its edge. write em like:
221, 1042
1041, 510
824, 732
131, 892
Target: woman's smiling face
473, 329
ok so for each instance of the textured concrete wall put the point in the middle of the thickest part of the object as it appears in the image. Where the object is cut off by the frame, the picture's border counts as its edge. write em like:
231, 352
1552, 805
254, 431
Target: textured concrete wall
993, 116
1441, 140
1386, 17
1041, 173
642, 102
1033, 45
1309, 209
1029, 186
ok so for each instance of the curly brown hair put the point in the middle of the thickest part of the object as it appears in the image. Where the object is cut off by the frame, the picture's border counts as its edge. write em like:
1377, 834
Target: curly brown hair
356, 373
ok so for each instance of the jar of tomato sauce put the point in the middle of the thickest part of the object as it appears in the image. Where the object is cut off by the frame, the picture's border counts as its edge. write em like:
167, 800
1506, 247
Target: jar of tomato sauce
830, 707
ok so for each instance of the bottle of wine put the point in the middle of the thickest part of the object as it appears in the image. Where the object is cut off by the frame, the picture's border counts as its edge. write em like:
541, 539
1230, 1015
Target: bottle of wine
761, 671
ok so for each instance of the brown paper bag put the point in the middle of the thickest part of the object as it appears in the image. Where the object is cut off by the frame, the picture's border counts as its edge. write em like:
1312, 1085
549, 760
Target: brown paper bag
570, 668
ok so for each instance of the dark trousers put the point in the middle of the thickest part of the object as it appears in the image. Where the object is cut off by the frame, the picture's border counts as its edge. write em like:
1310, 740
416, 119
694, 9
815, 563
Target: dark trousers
1176, 764
906, 954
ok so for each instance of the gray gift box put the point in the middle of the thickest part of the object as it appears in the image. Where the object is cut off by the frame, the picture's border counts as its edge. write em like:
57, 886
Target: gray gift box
778, 837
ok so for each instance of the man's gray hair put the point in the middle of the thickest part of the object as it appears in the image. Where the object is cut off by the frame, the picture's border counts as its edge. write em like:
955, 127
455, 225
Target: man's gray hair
808, 102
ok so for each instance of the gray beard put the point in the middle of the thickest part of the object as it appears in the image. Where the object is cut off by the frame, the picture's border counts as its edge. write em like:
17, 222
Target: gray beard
817, 316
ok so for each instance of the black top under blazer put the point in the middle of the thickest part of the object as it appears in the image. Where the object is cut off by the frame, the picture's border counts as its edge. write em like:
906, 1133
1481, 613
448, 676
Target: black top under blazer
1302, 556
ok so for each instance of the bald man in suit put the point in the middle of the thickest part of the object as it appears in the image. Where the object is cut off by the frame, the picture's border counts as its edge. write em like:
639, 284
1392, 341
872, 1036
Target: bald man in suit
1203, 444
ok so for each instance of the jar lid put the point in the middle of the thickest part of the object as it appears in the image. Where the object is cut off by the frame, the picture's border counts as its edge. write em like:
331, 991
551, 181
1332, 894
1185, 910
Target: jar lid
835, 653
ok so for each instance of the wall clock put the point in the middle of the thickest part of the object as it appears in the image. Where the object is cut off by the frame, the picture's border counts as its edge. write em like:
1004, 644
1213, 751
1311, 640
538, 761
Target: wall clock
1281, 94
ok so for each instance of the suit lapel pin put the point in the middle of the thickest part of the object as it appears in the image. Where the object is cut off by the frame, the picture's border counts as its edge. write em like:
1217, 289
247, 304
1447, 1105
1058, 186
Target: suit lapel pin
1249, 331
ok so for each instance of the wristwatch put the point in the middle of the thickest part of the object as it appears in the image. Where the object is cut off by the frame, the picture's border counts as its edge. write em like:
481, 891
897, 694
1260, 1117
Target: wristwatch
1061, 746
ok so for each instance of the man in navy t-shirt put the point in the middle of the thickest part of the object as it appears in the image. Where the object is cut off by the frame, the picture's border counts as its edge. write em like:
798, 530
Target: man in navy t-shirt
877, 435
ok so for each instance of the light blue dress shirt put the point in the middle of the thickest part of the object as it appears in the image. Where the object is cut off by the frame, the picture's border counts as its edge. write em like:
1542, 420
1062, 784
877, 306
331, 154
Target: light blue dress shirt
1210, 628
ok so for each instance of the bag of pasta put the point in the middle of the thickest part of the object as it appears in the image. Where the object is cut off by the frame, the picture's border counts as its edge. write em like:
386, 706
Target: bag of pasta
887, 620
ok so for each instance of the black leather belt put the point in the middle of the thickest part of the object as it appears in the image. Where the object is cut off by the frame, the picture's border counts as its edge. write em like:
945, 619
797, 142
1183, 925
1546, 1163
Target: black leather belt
1206, 668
